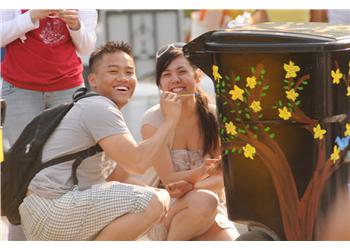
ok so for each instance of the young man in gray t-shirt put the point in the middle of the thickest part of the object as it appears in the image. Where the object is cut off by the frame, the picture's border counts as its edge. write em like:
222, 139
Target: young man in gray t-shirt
54, 208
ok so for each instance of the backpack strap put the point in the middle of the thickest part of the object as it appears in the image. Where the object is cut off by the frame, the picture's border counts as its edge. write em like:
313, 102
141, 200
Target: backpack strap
85, 154
82, 93
78, 157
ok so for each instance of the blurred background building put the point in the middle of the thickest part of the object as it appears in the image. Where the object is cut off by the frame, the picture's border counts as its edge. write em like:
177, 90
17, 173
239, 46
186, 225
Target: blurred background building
147, 30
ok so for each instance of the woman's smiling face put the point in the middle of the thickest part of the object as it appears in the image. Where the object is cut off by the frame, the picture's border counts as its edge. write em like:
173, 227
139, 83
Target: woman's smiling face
179, 77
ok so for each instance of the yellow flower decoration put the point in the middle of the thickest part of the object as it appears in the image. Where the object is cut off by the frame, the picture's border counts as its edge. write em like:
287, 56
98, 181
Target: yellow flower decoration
292, 95
336, 75
347, 130
230, 128
291, 69
249, 151
237, 93
251, 82
284, 113
348, 94
335, 155
216, 73
319, 132
255, 106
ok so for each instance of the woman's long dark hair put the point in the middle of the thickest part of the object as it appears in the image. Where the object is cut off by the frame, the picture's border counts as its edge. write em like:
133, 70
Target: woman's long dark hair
207, 121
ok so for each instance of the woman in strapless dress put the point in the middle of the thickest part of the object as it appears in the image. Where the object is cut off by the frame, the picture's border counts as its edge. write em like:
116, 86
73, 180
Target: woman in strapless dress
191, 158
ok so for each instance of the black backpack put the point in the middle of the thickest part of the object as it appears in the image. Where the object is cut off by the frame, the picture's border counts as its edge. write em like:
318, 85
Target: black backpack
23, 160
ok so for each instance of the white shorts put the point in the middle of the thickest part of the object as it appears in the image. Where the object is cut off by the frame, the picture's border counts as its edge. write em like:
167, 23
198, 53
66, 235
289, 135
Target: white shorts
80, 215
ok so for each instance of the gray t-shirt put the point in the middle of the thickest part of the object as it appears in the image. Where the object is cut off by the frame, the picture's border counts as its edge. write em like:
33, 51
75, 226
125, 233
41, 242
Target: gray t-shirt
90, 120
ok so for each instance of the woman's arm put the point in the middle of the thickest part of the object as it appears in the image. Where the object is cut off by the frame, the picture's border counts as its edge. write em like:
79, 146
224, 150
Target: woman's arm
213, 183
84, 38
163, 164
14, 25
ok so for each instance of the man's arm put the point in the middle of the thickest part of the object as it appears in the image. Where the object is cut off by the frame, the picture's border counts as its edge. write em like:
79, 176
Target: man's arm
123, 149
120, 175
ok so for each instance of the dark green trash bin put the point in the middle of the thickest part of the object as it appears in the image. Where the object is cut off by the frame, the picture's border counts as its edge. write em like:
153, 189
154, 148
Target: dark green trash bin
283, 98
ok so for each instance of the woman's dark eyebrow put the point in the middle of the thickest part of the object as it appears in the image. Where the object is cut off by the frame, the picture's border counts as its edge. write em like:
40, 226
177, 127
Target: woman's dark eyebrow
180, 67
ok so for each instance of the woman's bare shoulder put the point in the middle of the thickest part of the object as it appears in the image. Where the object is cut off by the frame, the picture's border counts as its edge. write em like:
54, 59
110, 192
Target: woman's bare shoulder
153, 116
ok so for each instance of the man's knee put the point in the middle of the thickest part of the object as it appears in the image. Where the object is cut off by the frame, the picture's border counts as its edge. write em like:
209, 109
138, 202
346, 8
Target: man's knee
159, 204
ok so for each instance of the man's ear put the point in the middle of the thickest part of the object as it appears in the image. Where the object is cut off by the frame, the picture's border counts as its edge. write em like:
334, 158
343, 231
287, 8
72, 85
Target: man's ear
92, 80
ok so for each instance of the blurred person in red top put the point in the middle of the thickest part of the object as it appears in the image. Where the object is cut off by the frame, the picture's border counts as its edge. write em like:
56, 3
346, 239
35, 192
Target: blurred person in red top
41, 67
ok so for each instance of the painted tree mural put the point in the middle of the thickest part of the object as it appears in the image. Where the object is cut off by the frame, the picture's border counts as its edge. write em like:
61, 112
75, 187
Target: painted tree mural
246, 134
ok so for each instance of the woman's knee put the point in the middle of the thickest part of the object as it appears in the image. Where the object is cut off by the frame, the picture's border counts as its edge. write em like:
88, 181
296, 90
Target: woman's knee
203, 202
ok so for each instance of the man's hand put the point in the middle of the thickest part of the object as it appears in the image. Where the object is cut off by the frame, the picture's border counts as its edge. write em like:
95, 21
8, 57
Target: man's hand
71, 18
179, 188
170, 104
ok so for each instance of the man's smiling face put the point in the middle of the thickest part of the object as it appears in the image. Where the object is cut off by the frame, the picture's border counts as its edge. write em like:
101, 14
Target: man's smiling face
114, 77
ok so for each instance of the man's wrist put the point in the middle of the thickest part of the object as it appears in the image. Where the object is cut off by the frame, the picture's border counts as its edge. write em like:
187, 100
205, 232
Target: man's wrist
169, 121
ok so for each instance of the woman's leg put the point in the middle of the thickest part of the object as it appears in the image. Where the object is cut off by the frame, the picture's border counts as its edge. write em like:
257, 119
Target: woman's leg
131, 226
192, 215
219, 234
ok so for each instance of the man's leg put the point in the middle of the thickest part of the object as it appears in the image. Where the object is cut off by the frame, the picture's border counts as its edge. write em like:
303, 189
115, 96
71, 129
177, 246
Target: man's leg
132, 226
